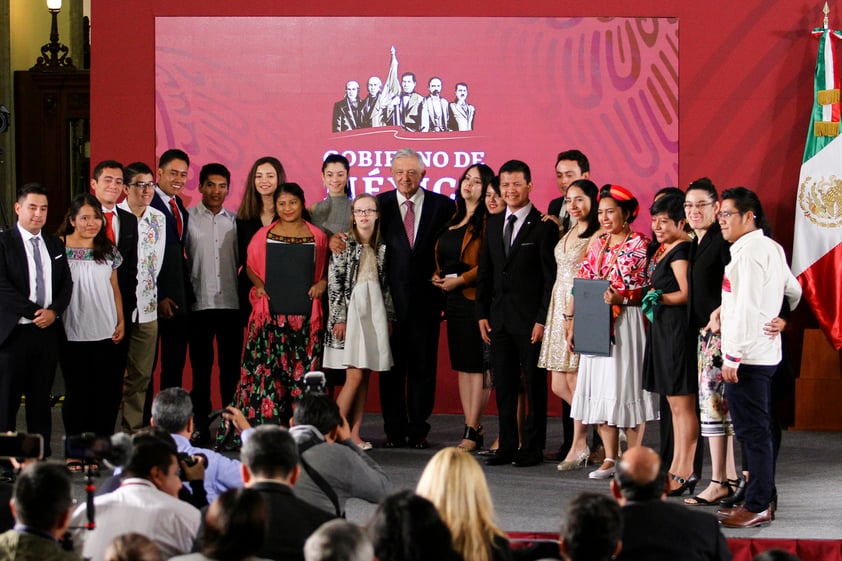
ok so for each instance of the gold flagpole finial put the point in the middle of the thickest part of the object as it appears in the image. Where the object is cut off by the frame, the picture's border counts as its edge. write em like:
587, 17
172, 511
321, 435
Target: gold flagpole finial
826, 11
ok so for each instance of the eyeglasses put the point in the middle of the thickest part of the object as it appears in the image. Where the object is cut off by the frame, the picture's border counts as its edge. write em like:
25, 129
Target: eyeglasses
142, 185
726, 214
364, 211
697, 206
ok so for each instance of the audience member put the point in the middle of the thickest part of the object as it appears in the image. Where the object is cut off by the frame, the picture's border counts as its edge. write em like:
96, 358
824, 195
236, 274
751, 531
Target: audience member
146, 502
514, 284
174, 290
36, 285
132, 547
592, 529
338, 540
334, 468
776, 555
139, 188
407, 527
270, 466
215, 315
654, 529
41, 504
454, 482
172, 410
235, 528
93, 323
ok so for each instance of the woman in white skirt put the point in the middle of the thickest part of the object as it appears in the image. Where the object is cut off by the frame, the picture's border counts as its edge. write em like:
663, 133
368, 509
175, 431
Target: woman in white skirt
361, 312
610, 391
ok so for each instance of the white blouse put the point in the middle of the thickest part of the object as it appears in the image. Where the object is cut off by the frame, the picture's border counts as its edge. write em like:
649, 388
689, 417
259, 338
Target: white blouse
92, 313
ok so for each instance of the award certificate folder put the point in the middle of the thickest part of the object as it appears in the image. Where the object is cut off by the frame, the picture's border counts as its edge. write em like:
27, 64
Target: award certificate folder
592, 324
289, 276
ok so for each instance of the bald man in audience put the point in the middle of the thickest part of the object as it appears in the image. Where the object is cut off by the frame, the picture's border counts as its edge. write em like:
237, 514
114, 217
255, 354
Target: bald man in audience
654, 529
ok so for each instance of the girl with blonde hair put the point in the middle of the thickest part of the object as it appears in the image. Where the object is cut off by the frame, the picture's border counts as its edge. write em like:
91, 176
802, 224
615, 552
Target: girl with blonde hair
455, 483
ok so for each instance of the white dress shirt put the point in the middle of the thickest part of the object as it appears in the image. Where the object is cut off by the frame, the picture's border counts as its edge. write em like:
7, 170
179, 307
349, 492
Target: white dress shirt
521, 215
212, 259
46, 266
417, 200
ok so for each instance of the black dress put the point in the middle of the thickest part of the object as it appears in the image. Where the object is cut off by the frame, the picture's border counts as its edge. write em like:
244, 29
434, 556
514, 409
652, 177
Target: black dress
463, 337
246, 229
666, 365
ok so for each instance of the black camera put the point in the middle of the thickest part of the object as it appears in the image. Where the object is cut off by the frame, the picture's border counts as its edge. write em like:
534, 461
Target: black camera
315, 382
87, 446
21, 446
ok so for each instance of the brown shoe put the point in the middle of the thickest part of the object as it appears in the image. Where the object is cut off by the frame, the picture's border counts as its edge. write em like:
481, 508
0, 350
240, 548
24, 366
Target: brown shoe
747, 519
597, 456
727, 512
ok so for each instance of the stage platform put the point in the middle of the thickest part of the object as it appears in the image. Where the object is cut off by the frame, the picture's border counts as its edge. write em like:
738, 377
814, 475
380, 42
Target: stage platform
530, 502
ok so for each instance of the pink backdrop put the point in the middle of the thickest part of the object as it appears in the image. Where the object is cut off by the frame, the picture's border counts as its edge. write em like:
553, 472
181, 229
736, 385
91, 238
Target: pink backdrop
235, 89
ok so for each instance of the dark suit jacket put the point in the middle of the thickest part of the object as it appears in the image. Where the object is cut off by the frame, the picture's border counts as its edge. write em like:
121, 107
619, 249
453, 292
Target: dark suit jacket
291, 521
411, 268
174, 278
345, 117
555, 208
127, 272
14, 280
516, 290
367, 111
663, 531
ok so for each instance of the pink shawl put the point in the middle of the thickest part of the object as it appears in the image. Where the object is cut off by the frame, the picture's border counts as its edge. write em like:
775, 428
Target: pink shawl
256, 260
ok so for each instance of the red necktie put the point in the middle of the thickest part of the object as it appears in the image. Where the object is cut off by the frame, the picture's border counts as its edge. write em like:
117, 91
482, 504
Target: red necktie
109, 229
409, 222
178, 225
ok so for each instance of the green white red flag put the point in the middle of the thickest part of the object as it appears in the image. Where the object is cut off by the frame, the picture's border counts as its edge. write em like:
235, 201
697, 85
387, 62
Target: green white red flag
817, 245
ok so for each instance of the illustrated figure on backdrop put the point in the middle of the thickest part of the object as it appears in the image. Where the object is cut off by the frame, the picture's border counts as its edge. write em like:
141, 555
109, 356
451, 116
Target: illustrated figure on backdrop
346, 112
35, 288
371, 113
435, 116
461, 112
409, 105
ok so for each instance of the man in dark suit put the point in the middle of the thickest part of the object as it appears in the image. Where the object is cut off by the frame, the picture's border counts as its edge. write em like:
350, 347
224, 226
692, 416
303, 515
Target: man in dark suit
411, 219
570, 165
35, 288
347, 111
514, 284
121, 228
270, 466
174, 291
654, 529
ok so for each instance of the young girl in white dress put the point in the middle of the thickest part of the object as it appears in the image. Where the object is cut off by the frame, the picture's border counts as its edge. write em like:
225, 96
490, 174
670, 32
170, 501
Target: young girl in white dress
361, 312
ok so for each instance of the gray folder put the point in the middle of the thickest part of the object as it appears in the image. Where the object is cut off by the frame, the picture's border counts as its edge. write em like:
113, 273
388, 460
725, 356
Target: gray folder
592, 326
289, 276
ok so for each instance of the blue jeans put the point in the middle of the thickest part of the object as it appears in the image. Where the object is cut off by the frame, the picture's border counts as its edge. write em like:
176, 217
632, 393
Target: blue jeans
749, 401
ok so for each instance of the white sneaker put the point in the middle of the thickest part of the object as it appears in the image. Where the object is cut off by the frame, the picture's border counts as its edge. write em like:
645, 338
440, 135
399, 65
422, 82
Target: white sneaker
607, 473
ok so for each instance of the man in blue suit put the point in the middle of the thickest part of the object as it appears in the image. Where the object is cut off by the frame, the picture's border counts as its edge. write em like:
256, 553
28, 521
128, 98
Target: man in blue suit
35, 288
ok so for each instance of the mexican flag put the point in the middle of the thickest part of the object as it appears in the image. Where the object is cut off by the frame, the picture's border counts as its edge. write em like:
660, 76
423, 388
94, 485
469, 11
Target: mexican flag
817, 246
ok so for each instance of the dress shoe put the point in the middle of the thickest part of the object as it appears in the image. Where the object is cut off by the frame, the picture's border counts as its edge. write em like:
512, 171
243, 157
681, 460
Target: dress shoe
739, 494
528, 459
580, 461
604, 473
500, 459
728, 511
419, 443
394, 442
747, 519
597, 455
553, 456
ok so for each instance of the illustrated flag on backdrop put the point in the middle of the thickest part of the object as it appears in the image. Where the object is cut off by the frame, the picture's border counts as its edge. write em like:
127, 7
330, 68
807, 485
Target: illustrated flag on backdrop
817, 245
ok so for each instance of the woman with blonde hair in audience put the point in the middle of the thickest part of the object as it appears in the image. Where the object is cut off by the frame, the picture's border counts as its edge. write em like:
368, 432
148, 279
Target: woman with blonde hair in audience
133, 547
455, 483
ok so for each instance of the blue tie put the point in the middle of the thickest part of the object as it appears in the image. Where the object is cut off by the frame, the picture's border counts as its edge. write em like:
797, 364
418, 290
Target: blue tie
40, 290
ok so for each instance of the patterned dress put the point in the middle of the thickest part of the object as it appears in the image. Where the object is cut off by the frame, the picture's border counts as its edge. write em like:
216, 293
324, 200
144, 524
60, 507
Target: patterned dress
277, 355
555, 355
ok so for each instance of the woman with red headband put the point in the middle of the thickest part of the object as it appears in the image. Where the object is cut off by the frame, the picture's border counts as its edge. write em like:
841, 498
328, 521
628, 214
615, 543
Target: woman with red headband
610, 391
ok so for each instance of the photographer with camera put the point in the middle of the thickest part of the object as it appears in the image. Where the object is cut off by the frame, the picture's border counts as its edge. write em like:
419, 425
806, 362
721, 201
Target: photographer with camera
41, 504
172, 410
334, 469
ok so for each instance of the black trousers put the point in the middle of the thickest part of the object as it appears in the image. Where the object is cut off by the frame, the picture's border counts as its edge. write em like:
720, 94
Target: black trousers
28, 361
511, 353
408, 391
93, 378
224, 327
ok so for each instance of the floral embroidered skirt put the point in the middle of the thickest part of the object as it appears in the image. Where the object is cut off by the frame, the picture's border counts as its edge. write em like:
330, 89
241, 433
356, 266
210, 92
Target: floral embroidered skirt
716, 420
277, 355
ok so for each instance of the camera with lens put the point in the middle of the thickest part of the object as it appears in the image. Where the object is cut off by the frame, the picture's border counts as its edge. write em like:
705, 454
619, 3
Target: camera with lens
315, 382
87, 446
21, 446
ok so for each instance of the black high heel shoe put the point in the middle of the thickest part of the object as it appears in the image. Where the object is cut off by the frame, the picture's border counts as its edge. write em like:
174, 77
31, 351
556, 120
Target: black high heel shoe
739, 495
688, 484
475, 435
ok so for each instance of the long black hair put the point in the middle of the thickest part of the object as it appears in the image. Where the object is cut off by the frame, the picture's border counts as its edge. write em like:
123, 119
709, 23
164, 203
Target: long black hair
102, 245
477, 219
296, 191
591, 191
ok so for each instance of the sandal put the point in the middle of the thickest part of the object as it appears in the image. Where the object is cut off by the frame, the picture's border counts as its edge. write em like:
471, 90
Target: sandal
472, 439
701, 501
